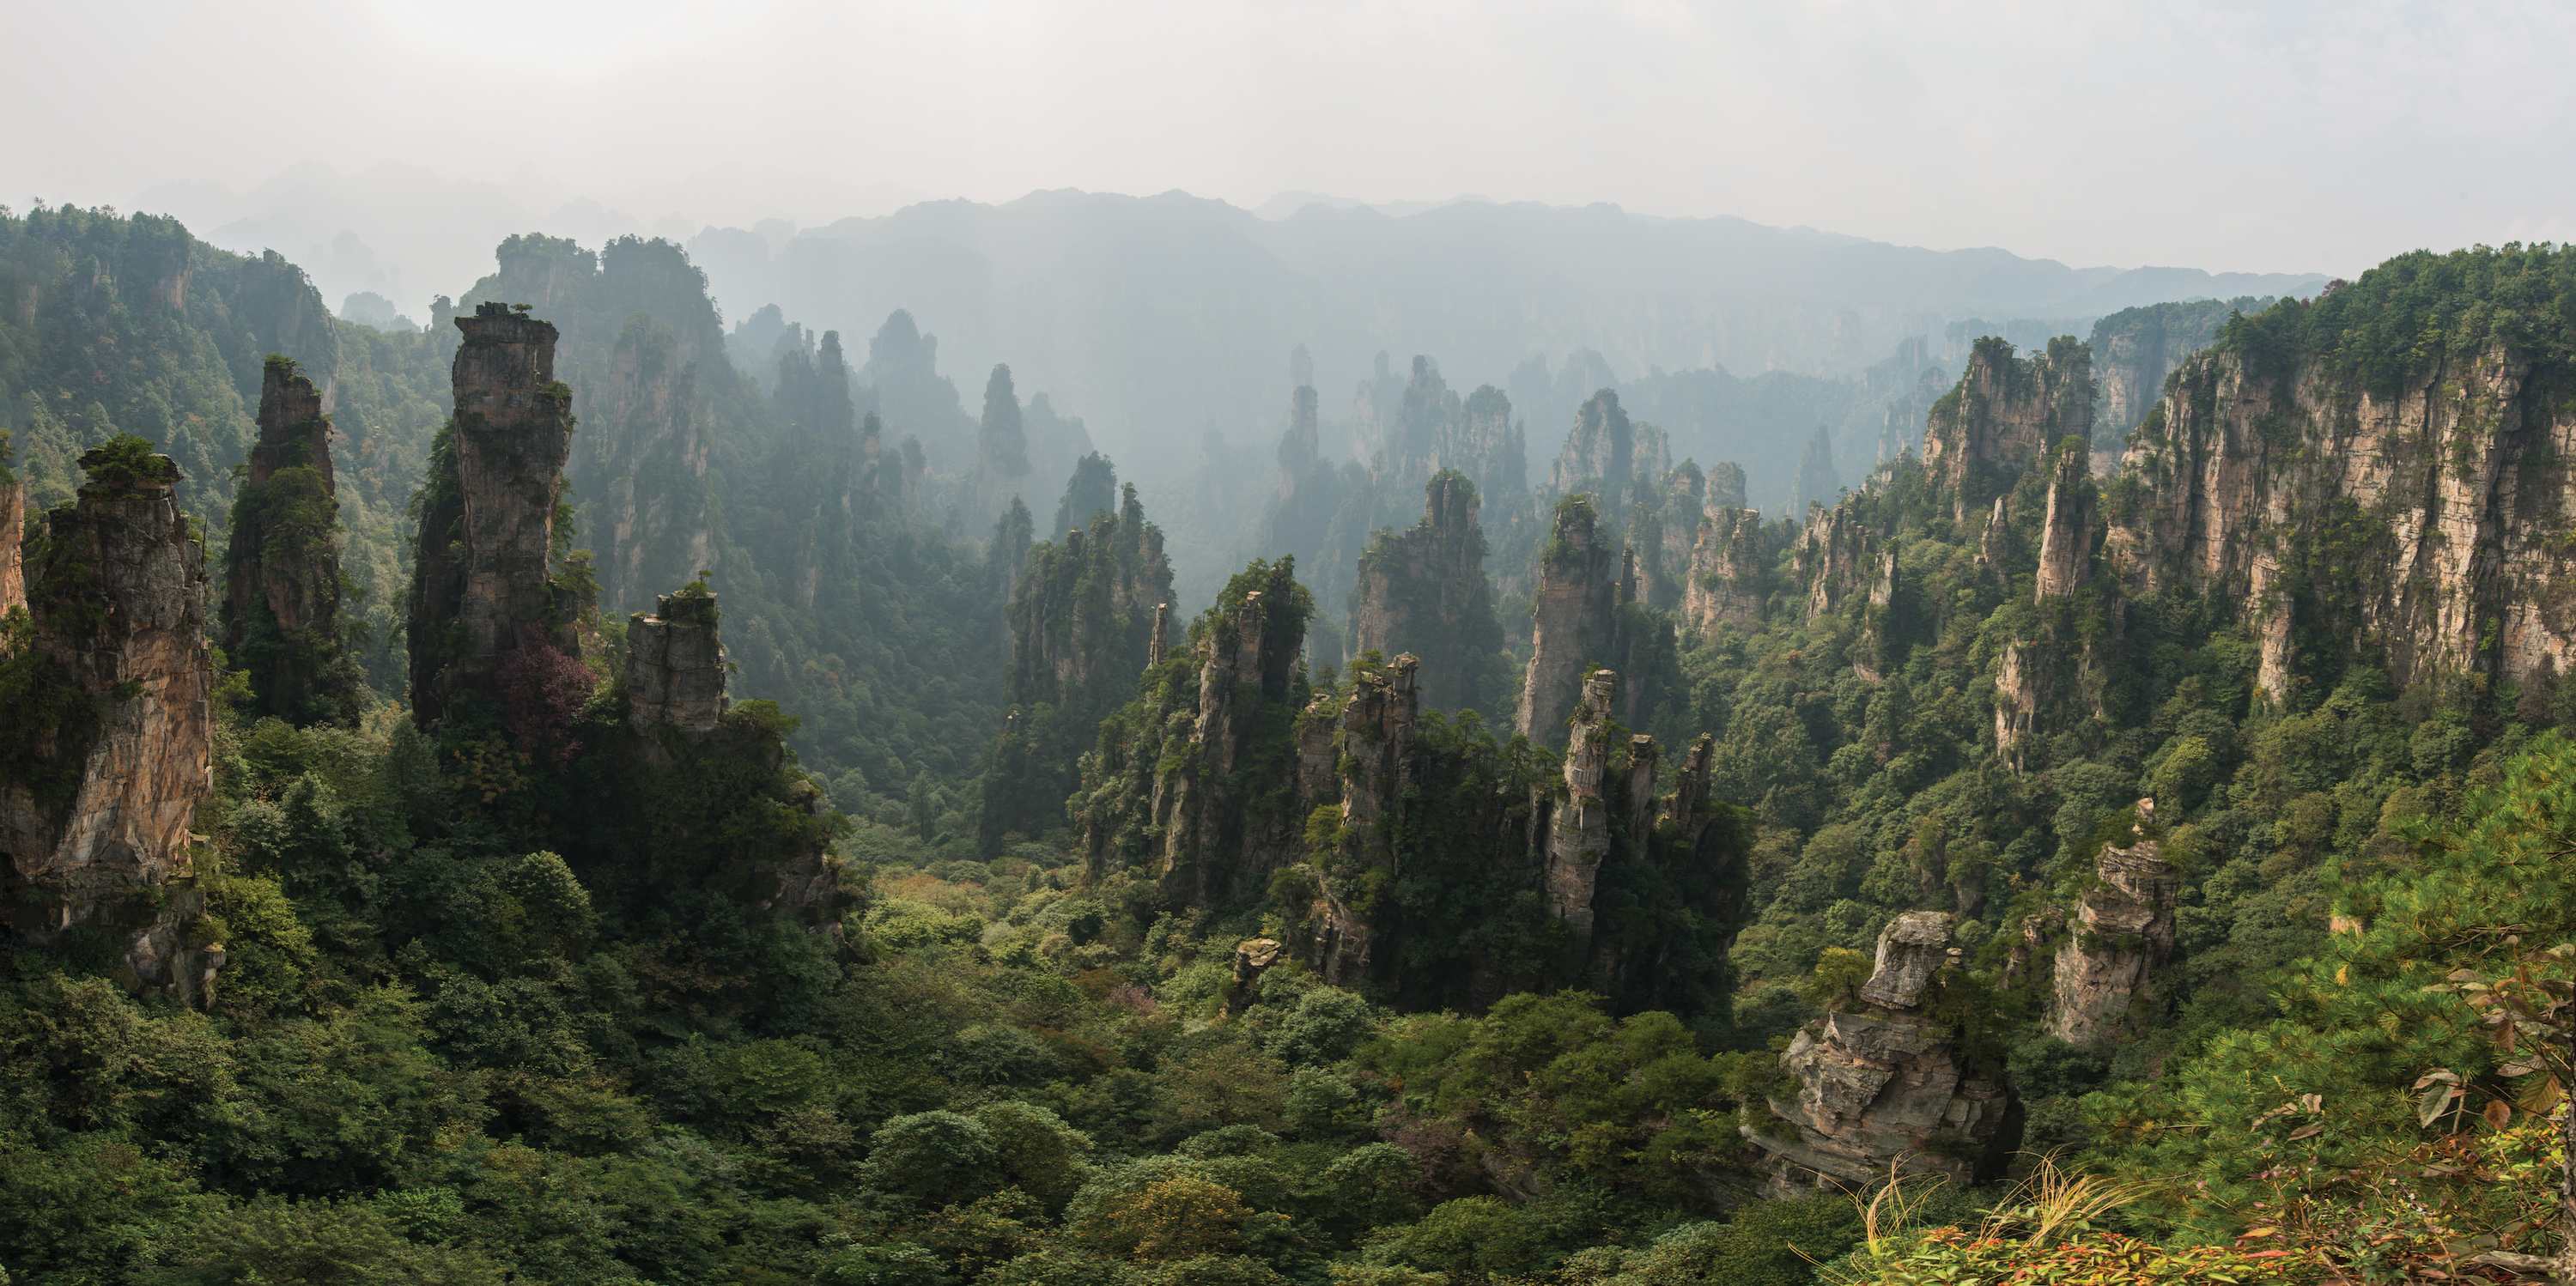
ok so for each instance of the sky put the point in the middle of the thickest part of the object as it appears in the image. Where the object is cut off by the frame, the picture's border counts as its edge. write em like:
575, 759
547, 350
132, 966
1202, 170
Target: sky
2282, 137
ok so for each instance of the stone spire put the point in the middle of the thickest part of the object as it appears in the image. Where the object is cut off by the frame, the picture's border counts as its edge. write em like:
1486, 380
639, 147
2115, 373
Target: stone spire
483, 583
281, 610
102, 771
1574, 620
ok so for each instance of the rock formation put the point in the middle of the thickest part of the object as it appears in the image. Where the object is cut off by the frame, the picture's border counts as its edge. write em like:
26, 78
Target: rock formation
1082, 617
1578, 831
1300, 448
641, 462
483, 584
1575, 618
1431, 429
1424, 591
2123, 930
13, 517
1888, 1084
2066, 538
1001, 448
108, 744
1221, 795
2401, 519
1729, 578
1838, 557
1600, 451
2136, 348
675, 666
1725, 486
1374, 763
2006, 412
1248, 650
281, 610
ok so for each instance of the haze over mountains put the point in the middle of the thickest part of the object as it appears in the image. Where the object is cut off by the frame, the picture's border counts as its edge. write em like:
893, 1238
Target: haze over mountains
1168, 320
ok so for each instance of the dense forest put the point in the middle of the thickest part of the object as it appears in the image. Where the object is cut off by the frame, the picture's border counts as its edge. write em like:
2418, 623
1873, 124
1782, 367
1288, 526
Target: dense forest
583, 795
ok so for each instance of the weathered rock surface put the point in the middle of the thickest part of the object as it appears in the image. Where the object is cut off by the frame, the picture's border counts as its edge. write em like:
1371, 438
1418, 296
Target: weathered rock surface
483, 582
2136, 348
675, 666
2430, 509
2005, 413
1887, 1085
2123, 930
1578, 829
1574, 620
281, 609
2066, 537
1424, 591
97, 789
1729, 575
13, 519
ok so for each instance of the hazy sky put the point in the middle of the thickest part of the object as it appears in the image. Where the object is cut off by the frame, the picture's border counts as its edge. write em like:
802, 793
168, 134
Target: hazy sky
2288, 137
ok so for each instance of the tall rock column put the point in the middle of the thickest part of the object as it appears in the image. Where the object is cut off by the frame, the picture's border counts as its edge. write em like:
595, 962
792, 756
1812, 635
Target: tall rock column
13, 518
2066, 542
1574, 620
281, 610
1887, 1084
2123, 930
1425, 592
1578, 830
487, 528
110, 747
1729, 571
1375, 740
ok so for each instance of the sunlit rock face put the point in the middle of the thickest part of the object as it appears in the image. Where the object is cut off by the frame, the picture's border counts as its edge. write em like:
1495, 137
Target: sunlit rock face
111, 750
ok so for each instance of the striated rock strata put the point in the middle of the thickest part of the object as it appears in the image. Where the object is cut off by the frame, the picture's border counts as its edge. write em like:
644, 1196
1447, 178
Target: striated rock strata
1887, 1084
109, 742
2006, 412
675, 666
2414, 520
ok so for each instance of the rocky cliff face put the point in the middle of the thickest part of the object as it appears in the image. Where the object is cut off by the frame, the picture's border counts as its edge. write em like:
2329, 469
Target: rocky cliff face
1424, 592
2067, 533
1372, 748
675, 666
2122, 930
640, 468
483, 586
2136, 348
13, 517
281, 609
2006, 412
1728, 582
109, 741
1887, 1084
1575, 618
2413, 520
